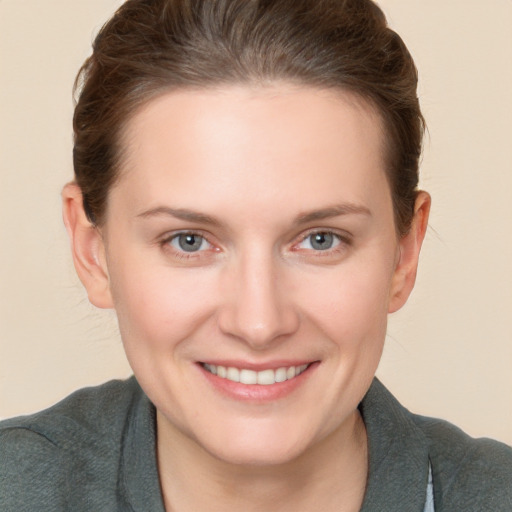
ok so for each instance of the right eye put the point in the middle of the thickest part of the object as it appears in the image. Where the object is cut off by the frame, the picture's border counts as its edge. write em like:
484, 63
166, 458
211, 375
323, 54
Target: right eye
321, 241
189, 242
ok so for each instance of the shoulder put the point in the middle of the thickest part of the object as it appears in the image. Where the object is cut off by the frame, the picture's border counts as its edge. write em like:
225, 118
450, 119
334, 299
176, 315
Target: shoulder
88, 411
469, 474
43, 454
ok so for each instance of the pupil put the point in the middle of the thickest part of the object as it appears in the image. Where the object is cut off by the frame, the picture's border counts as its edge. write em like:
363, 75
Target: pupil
190, 243
322, 241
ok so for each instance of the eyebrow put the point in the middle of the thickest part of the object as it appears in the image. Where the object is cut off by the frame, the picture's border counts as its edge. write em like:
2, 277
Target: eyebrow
303, 218
333, 211
180, 213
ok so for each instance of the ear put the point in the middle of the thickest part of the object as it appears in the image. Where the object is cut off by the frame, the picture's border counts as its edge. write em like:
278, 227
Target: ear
87, 247
409, 251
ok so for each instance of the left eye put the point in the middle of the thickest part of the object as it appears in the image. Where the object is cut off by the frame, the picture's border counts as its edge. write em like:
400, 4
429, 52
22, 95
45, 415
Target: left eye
320, 241
189, 242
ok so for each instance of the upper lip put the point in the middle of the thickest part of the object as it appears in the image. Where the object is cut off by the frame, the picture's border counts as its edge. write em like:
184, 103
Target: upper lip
248, 365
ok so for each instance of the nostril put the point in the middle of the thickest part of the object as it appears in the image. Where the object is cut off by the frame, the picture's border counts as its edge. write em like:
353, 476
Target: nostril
256, 309
258, 331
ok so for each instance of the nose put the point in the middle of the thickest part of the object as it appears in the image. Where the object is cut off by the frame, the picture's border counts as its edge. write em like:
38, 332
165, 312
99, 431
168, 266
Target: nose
257, 308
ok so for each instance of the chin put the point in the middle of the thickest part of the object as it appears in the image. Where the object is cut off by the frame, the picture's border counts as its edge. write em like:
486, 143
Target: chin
258, 446
253, 456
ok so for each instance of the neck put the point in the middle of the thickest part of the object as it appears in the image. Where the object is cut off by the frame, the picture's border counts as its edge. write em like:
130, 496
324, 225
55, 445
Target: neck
331, 475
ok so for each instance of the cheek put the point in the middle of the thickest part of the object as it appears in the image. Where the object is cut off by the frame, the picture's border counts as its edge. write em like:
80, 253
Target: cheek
157, 307
350, 303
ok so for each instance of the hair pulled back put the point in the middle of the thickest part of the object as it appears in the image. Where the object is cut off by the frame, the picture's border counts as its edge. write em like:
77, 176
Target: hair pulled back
152, 46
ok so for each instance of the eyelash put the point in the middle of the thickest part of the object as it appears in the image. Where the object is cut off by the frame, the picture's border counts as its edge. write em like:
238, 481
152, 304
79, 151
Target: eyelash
166, 242
344, 241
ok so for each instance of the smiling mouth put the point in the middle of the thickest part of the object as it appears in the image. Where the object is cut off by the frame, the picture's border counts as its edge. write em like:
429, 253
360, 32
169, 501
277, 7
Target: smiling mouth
263, 377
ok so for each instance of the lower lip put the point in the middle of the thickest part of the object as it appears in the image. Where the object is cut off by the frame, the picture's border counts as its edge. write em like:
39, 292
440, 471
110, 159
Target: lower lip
256, 392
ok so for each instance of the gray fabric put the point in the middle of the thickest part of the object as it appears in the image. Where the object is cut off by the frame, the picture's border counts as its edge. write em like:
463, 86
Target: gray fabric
470, 475
95, 451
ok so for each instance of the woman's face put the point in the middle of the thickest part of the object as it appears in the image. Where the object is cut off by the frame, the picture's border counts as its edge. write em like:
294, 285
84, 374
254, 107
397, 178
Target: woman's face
251, 237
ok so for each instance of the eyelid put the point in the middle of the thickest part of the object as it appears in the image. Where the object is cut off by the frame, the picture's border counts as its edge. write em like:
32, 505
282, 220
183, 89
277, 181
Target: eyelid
345, 241
343, 236
166, 239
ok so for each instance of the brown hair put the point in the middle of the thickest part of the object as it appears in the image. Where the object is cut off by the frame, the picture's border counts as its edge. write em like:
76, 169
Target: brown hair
152, 46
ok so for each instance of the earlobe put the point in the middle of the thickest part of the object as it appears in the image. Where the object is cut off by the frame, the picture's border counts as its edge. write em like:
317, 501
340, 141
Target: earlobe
87, 248
409, 250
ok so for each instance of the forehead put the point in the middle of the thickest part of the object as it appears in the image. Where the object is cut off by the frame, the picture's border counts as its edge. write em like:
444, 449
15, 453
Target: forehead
262, 142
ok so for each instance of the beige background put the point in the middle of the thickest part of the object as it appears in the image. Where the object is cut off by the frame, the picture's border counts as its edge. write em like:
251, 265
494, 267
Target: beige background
449, 352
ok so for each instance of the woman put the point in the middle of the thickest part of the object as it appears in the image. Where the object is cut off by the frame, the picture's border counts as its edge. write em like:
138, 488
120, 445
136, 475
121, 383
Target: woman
246, 200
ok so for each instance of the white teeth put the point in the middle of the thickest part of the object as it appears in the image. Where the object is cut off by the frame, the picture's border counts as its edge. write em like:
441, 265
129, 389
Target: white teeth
248, 377
233, 374
267, 377
211, 368
281, 375
264, 377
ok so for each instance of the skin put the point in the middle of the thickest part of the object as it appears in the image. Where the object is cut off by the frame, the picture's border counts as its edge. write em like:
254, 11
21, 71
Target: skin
255, 171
